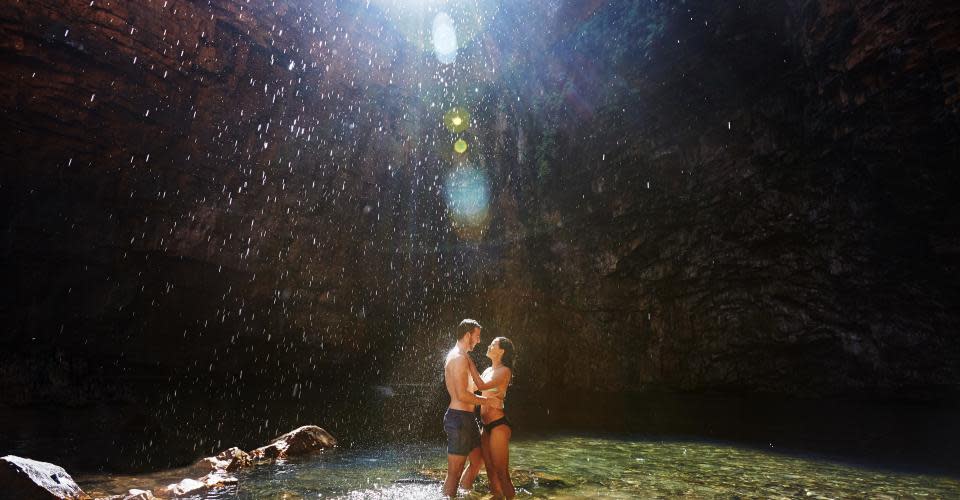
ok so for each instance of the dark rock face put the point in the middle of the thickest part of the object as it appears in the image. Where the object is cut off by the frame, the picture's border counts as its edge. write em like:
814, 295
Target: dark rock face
244, 202
25, 478
757, 197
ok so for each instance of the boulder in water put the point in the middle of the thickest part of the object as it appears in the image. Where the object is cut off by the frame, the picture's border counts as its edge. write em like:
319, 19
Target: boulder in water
228, 460
300, 441
25, 478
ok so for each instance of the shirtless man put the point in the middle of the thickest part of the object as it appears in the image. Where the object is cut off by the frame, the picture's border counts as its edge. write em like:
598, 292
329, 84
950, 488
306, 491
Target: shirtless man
463, 434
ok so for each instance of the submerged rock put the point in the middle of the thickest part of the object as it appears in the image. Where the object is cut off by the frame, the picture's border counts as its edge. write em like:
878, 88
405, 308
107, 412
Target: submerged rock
300, 441
522, 478
23, 478
133, 494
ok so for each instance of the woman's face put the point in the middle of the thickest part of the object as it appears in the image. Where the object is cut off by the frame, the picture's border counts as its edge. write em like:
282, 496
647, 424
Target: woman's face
494, 350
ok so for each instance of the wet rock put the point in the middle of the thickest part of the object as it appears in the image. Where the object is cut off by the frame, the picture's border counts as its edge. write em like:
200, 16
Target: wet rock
300, 441
29, 479
133, 494
227, 460
529, 480
185, 486
211, 480
269, 451
235, 458
215, 479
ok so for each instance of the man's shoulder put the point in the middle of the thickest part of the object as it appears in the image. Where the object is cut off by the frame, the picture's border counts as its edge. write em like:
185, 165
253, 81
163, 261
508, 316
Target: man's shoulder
455, 356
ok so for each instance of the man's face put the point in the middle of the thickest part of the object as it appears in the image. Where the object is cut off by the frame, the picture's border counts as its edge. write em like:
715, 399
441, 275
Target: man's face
474, 337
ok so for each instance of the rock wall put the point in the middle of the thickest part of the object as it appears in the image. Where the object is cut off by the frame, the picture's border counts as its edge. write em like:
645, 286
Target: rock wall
738, 197
245, 200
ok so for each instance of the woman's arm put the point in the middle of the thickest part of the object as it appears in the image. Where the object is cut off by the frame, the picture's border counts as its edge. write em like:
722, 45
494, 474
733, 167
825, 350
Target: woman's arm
494, 383
477, 381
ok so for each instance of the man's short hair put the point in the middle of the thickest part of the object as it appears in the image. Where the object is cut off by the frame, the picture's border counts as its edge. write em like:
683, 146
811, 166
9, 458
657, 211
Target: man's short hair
466, 326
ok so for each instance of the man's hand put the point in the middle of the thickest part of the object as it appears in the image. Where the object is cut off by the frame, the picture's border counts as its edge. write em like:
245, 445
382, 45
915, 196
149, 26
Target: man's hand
493, 402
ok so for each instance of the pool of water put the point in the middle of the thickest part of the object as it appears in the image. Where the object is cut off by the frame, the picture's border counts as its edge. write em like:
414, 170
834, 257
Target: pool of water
590, 466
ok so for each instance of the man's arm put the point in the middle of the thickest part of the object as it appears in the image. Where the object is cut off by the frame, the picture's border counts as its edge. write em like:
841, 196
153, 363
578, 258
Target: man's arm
460, 370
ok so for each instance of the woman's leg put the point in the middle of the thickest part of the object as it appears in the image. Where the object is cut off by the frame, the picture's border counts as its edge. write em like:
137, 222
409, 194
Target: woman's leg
470, 472
500, 458
495, 489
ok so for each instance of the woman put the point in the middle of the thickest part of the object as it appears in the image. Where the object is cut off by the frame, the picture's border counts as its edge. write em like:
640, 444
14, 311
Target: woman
496, 432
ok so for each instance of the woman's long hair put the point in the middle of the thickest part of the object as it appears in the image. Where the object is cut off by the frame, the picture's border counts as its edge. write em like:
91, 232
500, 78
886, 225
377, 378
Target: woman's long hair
508, 352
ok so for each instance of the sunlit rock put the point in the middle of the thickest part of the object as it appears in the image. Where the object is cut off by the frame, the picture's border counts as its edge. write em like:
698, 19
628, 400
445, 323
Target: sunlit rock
23, 478
132, 494
300, 441
227, 460
214, 479
136, 494
185, 486
211, 480
234, 458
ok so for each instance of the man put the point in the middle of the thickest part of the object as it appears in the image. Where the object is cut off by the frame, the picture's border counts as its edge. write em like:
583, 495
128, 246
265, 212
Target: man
463, 433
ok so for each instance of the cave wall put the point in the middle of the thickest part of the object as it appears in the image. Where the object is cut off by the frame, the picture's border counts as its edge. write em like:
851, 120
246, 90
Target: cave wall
737, 197
211, 219
689, 196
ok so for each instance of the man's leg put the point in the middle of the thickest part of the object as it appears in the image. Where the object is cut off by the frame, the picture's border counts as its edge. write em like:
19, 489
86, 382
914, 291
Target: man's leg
470, 472
454, 469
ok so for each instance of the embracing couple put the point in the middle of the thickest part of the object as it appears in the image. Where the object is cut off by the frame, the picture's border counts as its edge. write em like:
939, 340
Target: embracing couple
465, 440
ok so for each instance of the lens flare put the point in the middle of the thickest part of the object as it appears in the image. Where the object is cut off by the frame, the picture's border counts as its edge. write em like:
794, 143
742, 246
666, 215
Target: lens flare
444, 38
456, 120
460, 146
465, 20
467, 194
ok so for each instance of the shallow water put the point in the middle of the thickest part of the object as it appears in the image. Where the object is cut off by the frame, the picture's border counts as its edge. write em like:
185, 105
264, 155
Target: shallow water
614, 467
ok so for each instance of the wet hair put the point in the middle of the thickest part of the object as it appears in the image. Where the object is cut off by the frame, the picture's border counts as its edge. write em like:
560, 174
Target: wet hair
466, 326
508, 351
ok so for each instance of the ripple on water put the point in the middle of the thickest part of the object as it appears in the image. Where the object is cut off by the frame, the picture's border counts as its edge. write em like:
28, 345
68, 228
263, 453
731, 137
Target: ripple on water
612, 468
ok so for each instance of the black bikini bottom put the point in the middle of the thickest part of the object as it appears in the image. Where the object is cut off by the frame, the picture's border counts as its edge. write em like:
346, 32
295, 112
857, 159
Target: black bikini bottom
500, 421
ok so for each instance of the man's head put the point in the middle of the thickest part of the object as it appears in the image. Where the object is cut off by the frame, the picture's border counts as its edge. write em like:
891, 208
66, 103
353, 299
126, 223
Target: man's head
469, 332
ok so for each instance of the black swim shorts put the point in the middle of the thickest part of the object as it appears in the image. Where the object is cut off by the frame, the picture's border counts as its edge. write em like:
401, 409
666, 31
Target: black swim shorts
463, 433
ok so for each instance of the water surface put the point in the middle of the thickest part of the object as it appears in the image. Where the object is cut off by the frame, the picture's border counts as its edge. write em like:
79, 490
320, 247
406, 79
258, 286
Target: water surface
592, 466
